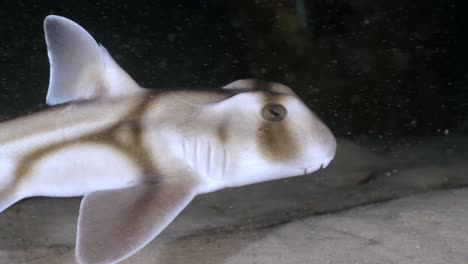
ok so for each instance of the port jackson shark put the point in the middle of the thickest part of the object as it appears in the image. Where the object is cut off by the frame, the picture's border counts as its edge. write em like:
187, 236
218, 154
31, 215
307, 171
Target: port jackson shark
139, 156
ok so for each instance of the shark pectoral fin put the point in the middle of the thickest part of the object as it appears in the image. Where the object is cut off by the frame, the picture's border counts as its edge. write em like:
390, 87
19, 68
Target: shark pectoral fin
115, 224
259, 85
79, 67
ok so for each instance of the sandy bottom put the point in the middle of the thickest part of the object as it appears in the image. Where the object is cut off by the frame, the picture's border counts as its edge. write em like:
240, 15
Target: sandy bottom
368, 207
426, 228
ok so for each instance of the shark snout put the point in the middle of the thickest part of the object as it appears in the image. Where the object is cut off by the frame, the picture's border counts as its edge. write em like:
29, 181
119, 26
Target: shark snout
321, 151
329, 150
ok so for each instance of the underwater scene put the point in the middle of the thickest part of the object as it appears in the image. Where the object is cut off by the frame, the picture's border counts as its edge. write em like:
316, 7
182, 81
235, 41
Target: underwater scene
279, 132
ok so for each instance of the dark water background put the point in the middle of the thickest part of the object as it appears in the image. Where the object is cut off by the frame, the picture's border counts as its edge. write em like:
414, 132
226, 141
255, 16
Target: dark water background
391, 74
370, 68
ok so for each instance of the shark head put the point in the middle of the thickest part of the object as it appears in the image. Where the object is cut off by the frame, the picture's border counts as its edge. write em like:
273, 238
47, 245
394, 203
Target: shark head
284, 138
266, 133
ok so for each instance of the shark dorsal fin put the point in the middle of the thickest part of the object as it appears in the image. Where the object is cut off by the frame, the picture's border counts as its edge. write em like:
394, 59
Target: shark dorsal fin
80, 68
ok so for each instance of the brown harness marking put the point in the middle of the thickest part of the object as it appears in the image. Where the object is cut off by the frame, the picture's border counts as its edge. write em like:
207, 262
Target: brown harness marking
135, 150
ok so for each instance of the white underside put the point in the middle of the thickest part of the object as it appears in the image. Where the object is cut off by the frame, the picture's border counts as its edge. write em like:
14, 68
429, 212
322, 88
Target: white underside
79, 169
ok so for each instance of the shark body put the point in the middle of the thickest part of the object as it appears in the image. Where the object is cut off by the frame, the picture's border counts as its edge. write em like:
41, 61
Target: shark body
139, 156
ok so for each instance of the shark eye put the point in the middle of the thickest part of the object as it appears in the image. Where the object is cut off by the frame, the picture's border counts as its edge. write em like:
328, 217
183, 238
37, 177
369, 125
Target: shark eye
274, 112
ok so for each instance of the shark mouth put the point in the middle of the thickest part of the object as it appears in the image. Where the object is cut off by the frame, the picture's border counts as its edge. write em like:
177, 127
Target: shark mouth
323, 165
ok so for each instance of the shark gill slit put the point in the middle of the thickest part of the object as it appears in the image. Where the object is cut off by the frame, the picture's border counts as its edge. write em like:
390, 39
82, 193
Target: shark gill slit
208, 159
195, 156
224, 162
135, 151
